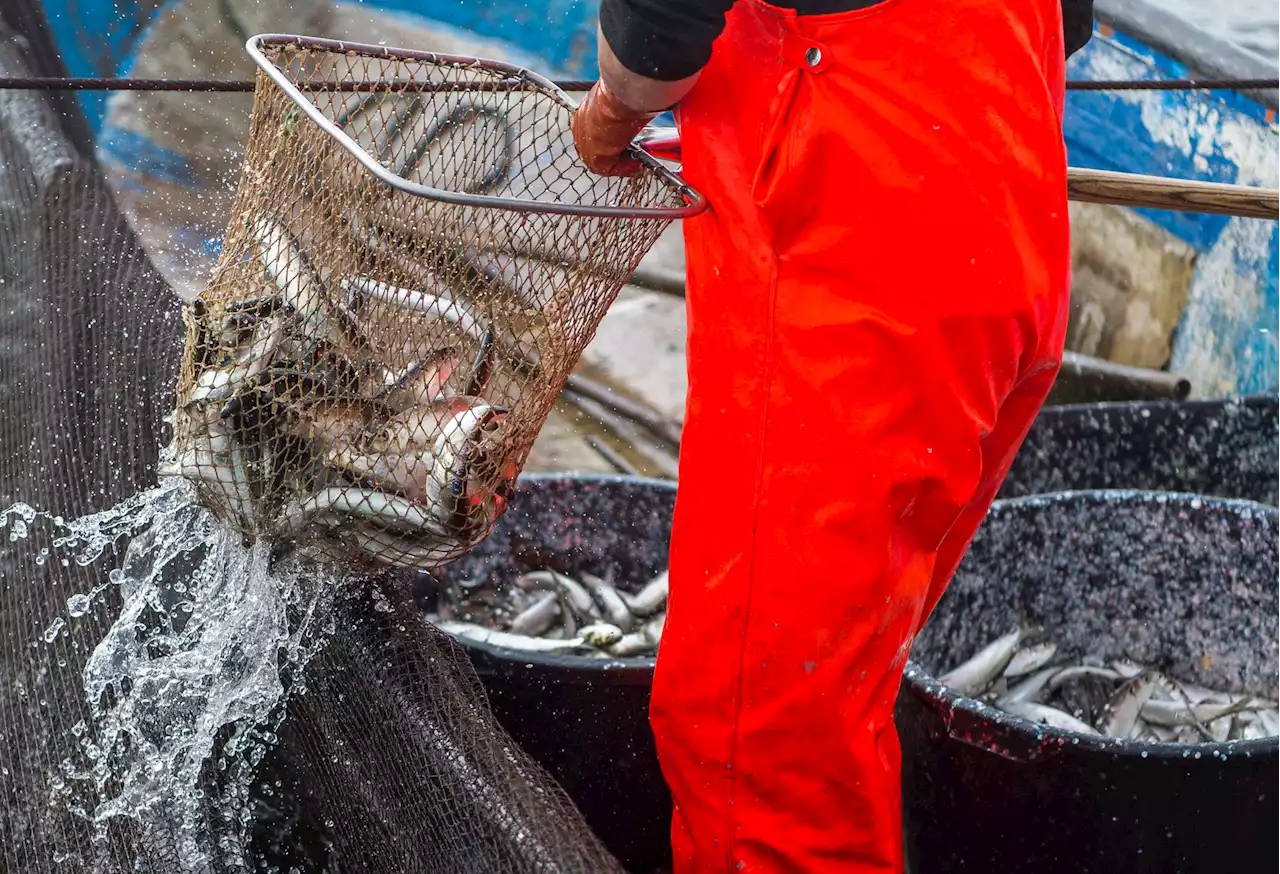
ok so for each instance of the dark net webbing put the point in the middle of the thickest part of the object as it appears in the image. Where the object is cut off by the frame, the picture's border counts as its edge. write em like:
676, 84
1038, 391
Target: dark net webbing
388, 761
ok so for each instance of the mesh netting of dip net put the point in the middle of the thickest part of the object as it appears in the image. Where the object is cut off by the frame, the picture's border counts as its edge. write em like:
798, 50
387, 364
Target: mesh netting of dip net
173, 699
415, 262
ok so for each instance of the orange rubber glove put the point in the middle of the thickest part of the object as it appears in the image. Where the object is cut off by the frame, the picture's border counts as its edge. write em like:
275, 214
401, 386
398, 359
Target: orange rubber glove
603, 127
616, 109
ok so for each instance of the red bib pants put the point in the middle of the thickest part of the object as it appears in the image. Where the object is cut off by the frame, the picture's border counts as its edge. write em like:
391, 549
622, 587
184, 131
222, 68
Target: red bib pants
877, 302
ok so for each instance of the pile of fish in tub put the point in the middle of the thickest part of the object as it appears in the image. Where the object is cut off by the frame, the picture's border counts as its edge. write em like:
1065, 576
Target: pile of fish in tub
552, 612
1021, 674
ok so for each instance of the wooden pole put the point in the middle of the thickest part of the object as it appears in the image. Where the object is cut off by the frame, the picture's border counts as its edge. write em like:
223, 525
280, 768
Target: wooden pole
1160, 192
1097, 186
1105, 186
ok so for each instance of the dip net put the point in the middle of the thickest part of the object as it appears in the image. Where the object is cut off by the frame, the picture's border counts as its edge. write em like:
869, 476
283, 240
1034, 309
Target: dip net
415, 262
381, 755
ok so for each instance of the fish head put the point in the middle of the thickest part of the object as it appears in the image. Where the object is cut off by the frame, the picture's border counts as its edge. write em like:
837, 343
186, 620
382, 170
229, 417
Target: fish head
467, 431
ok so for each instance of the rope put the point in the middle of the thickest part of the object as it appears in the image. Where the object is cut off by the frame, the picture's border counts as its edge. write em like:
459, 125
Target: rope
223, 85
50, 83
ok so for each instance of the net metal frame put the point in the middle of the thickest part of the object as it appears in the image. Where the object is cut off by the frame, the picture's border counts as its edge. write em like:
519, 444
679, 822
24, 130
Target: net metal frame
399, 301
515, 78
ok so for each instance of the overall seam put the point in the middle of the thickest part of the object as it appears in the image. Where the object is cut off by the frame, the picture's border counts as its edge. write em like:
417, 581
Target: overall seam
751, 562
770, 342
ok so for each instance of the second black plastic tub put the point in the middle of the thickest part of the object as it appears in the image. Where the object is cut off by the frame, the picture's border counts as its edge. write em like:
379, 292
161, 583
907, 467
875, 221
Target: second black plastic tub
1222, 447
1178, 582
584, 720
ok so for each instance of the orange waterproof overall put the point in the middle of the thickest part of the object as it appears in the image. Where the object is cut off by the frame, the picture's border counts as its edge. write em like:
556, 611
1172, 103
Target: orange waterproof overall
877, 301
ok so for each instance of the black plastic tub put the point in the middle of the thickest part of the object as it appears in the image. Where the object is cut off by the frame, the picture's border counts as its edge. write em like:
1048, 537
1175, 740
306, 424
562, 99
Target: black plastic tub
1227, 448
1180, 582
585, 720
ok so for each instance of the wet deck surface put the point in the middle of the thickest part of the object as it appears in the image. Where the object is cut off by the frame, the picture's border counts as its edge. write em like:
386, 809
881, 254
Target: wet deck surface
638, 350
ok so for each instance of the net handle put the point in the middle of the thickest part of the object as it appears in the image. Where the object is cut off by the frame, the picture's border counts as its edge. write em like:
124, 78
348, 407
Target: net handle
255, 46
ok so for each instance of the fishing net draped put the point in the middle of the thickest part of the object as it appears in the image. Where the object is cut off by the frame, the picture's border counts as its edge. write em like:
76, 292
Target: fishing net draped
372, 747
395, 311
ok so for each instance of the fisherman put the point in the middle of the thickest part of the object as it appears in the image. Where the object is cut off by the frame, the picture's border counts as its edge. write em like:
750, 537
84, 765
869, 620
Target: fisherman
877, 302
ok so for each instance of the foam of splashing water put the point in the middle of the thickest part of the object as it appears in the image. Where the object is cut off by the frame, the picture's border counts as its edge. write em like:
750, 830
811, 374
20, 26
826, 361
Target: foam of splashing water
187, 685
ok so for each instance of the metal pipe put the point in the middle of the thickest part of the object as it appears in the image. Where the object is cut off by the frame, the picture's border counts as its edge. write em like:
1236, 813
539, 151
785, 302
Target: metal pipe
1085, 379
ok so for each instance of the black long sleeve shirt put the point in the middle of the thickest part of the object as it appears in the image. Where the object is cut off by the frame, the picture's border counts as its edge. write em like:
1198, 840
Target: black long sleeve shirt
671, 39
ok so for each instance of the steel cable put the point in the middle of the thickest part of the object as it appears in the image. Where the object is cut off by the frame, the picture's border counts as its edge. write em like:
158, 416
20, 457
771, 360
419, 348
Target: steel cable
52, 83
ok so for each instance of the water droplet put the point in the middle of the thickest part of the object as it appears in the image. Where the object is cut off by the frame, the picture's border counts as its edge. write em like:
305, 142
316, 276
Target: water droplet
51, 633
78, 605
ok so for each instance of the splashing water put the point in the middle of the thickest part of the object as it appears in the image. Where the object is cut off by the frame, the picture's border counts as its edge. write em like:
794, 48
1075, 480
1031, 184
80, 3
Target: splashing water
188, 684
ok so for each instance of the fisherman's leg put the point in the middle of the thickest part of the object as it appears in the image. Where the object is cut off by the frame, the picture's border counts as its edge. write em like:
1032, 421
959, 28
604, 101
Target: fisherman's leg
841, 384
1017, 415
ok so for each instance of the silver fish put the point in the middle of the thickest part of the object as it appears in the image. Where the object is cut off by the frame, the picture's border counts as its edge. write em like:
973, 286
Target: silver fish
198, 464
290, 270
1030, 658
653, 628
568, 620
631, 645
601, 635
213, 437
1173, 714
1028, 689
1200, 695
323, 319
406, 474
448, 486
565, 614
1121, 714
226, 475
219, 383
975, 675
1049, 716
453, 311
611, 603
650, 599
574, 592
511, 641
464, 427
538, 617
1067, 675
419, 428
1123, 698
1269, 717
389, 510
1126, 668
